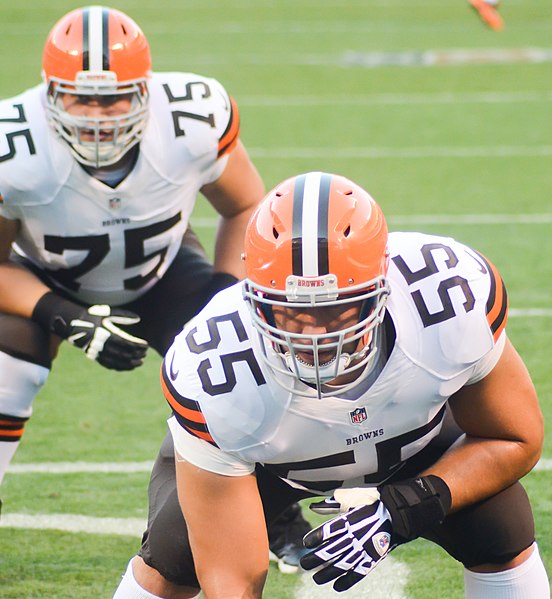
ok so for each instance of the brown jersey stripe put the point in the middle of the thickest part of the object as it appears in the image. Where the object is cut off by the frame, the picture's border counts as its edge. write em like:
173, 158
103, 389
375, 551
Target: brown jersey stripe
497, 304
186, 410
229, 138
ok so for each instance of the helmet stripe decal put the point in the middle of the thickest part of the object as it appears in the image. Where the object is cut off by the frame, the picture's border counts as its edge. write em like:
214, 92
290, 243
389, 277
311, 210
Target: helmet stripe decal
310, 225
323, 208
85, 42
297, 232
95, 39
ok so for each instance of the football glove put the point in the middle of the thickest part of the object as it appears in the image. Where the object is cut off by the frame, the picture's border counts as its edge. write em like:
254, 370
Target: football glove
416, 504
348, 547
96, 330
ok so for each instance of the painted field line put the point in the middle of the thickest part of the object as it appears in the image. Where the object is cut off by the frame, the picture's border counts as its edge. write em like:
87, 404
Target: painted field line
511, 97
129, 467
388, 580
448, 57
78, 467
452, 57
363, 153
132, 527
544, 465
433, 219
529, 313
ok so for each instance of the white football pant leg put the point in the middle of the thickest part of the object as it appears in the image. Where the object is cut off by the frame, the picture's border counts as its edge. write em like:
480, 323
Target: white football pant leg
20, 382
526, 581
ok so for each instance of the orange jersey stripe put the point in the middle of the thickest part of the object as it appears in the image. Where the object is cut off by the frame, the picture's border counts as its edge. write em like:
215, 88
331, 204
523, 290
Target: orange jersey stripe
16, 434
229, 138
186, 414
177, 407
497, 304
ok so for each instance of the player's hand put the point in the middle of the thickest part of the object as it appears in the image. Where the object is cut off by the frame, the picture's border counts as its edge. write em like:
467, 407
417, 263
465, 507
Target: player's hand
349, 546
97, 331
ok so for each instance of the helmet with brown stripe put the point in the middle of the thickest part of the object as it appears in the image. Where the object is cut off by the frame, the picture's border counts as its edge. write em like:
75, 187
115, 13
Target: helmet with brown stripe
316, 260
97, 54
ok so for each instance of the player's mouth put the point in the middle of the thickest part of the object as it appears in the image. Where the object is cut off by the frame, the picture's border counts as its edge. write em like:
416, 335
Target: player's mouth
325, 358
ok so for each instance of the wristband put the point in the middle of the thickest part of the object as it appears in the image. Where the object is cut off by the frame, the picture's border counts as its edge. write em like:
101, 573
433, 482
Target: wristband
416, 504
54, 313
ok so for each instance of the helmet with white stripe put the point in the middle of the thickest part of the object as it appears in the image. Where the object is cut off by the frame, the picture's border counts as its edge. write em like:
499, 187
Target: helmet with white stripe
316, 260
97, 52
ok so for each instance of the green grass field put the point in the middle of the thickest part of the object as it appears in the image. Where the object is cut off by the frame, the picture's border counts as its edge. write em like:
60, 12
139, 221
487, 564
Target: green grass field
449, 142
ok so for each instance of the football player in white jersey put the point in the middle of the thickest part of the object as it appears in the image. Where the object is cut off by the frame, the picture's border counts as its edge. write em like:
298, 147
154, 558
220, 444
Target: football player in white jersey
100, 166
369, 368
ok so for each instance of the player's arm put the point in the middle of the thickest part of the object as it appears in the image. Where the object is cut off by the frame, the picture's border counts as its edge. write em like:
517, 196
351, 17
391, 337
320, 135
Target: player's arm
19, 289
234, 195
226, 529
96, 329
504, 432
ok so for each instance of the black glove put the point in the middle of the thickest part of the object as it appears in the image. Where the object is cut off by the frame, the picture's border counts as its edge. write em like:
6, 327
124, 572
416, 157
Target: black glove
95, 330
349, 546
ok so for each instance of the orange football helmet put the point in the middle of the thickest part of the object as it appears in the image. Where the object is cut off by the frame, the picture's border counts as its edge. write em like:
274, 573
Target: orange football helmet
317, 241
97, 51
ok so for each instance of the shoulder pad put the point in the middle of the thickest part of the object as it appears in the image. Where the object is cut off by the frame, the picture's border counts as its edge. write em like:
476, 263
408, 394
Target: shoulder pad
216, 386
197, 111
33, 162
448, 302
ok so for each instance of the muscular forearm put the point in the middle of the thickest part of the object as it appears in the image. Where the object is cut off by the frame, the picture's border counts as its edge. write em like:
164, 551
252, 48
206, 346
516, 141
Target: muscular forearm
229, 244
19, 290
478, 468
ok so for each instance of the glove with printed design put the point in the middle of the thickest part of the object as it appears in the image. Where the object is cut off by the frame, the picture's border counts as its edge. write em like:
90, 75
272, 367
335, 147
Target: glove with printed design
96, 330
348, 547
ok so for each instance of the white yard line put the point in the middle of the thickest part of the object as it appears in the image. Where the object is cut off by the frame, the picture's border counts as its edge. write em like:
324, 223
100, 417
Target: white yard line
432, 219
78, 467
386, 582
363, 153
130, 467
132, 527
390, 99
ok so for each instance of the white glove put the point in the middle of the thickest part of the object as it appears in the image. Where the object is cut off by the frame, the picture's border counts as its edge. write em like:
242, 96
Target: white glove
349, 546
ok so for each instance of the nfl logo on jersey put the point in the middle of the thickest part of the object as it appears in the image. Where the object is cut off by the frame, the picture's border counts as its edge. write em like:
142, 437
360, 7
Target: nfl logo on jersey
358, 415
114, 203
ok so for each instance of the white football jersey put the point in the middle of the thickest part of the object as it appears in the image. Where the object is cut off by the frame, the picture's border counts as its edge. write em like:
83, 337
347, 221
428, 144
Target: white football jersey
103, 244
448, 306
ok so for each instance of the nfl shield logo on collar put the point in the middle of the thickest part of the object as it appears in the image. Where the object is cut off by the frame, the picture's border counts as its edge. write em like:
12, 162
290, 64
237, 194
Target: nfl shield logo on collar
358, 415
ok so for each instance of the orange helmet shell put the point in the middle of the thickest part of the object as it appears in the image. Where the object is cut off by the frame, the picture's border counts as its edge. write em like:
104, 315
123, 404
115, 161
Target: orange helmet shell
316, 224
96, 39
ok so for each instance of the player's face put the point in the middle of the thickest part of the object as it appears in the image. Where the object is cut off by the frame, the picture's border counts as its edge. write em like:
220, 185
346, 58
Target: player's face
318, 322
97, 107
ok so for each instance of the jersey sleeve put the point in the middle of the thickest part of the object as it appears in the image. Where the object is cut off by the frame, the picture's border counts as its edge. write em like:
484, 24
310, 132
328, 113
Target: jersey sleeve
488, 361
497, 302
204, 455
187, 411
230, 136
